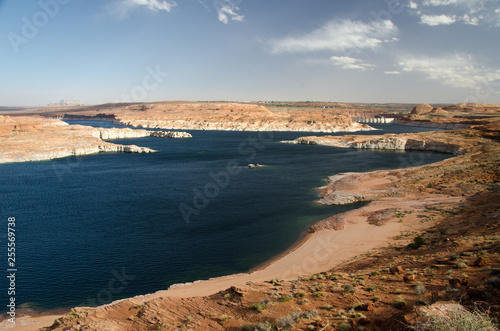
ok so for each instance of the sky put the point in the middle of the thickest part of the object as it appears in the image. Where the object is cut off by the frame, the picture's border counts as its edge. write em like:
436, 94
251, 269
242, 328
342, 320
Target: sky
380, 51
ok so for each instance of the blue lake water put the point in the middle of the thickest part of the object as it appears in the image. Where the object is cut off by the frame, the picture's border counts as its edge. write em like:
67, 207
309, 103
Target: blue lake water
98, 228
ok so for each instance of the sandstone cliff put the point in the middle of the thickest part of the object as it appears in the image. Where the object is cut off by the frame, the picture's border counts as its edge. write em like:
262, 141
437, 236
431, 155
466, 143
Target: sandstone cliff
32, 138
220, 116
409, 141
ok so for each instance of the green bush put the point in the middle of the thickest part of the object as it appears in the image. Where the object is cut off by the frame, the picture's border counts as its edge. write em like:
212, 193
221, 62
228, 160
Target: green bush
318, 295
259, 306
285, 298
300, 294
418, 242
400, 303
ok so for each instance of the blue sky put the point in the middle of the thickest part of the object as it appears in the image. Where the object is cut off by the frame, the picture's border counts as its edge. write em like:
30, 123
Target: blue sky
435, 51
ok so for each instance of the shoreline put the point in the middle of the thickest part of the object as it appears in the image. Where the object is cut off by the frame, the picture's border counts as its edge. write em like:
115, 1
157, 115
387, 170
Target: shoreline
312, 253
305, 257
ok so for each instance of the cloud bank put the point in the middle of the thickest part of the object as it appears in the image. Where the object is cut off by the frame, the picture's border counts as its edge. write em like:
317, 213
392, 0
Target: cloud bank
339, 35
123, 8
457, 70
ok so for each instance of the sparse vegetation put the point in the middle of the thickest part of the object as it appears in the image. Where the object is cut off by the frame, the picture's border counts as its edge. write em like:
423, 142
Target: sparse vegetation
457, 320
400, 303
285, 298
259, 306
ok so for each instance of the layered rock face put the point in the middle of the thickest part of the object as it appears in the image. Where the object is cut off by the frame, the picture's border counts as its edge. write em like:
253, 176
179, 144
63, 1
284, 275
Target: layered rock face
385, 142
233, 117
219, 116
33, 138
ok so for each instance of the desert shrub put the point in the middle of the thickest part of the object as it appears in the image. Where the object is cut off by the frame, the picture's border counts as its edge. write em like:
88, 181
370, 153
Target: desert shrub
259, 306
420, 288
400, 303
275, 281
309, 314
318, 295
371, 288
376, 298
287, 322
267, 326
285, 298
421, 302
344, 326
461, 265
318, 288
348, 289
418, 242
300, 294
457, 320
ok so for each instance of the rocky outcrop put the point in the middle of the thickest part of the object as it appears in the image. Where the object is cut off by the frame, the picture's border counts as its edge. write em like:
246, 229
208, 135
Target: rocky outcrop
351, 187
383, 142
256, 125
422, 108
425, 108
33, 138
108, 134
170, 134
44, 155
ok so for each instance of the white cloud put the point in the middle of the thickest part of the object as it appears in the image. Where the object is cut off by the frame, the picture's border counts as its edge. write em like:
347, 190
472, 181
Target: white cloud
227, 11
392, 72
412, 5
439, 2
347, 62
472, 12
454, 70
122, 8
154, 5
437, 20
339, 35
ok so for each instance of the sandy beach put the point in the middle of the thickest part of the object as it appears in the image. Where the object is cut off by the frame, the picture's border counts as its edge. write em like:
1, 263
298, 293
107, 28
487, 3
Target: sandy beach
317, 252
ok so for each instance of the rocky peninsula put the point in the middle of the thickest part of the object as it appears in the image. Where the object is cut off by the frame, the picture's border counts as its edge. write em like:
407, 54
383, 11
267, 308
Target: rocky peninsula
435, 141
34, 138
